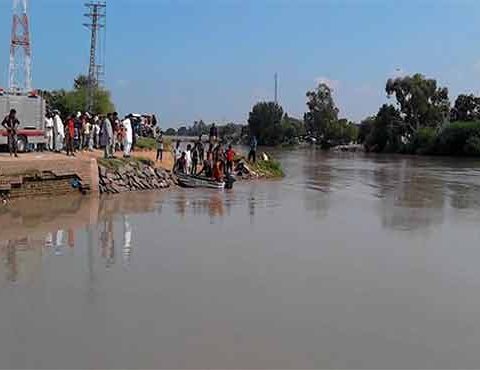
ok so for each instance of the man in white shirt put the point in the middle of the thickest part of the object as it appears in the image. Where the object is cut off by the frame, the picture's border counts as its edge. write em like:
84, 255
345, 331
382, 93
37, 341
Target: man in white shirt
59, 131
188, 157
128, 136
49, 131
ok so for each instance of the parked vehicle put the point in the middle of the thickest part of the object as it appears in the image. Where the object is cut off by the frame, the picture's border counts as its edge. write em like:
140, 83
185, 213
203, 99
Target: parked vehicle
31, 114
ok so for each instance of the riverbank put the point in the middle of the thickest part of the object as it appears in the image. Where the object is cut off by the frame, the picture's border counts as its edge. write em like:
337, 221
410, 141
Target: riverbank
51, 174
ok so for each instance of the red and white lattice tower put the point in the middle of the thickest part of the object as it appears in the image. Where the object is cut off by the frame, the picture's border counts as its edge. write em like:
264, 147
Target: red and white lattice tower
20, 68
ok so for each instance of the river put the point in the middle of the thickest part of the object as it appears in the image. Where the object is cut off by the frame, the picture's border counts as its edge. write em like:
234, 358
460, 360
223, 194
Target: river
351, 261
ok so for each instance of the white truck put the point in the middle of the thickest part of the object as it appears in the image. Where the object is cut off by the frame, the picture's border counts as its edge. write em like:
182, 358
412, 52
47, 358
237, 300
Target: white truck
31, 114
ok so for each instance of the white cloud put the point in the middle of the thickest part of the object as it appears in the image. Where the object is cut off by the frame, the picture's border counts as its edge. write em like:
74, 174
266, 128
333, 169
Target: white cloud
333, 84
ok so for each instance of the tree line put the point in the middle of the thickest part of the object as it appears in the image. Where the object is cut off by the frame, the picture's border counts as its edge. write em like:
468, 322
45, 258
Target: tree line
75, 99
422, 120
268, 122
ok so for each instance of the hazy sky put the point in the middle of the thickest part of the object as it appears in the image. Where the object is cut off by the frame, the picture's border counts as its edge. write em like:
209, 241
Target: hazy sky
213, 59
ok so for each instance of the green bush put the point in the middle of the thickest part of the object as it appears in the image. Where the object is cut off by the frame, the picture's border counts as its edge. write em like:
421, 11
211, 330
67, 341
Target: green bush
472, 147
269, 169
424, 141
458, 138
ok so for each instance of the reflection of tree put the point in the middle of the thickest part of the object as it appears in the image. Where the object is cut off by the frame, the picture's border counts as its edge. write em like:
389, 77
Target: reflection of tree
317, 172
464, 195
11, 261
412, 198
20, 256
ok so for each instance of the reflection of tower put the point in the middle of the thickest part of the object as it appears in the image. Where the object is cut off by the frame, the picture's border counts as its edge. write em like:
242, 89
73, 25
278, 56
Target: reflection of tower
20, 68
108, 243
127, 241
90, 260
11, 261
97, 14
59, 242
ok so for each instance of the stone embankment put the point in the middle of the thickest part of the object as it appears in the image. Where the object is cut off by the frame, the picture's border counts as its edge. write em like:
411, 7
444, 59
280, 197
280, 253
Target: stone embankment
132, 176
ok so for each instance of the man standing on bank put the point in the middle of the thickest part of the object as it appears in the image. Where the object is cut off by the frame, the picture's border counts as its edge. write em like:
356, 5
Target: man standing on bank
11, 124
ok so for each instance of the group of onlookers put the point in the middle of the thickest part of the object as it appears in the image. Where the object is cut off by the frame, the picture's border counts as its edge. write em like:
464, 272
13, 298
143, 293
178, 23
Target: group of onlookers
83, 131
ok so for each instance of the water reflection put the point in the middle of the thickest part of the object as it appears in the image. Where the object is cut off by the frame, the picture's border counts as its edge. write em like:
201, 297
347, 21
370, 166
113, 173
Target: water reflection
127, 241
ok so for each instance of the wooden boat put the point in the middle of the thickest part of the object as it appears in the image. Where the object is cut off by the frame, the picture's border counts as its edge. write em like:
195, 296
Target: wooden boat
193, 181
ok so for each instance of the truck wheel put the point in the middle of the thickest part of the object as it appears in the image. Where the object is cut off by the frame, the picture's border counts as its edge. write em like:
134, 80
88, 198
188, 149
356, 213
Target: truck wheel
22, 143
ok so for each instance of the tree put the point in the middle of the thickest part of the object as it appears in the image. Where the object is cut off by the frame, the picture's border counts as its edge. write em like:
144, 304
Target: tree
68, 102
466, 108
364, 129
388, 128
171, 132
421, 102
81, 82
264, 122
182, 131
322, 113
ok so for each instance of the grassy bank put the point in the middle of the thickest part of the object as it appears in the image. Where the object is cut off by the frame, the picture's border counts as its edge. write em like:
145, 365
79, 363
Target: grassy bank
268, 169
149, 143
116, 163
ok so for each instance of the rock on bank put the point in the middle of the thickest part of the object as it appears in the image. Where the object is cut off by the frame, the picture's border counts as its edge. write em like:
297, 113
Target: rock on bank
121, 175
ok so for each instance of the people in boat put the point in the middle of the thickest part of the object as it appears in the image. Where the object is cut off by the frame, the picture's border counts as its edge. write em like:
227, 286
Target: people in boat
177, 153
230, 156
188, 157
201, 150
193, 169
218, 171
182, 163
210, 153
207, 169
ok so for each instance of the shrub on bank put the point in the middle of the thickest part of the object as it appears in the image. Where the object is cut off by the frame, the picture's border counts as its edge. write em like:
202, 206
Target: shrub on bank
459, 138
424, 141
269, 169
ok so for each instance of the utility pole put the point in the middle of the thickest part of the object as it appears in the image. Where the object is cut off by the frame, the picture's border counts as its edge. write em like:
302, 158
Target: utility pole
276, 87
97, 14
20, 67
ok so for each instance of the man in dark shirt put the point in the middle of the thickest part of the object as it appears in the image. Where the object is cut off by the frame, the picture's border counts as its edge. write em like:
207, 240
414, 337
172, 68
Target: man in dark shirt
11, 123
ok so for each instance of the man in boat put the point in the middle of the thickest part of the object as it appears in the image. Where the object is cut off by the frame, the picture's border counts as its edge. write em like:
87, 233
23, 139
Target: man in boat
218, 171
193, 170
230, 156
201, 150
177, 153
207, 169
188, 157
182, 163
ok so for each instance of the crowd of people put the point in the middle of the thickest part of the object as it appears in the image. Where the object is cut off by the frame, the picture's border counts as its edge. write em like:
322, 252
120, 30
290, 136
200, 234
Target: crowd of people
86, 132
215, 162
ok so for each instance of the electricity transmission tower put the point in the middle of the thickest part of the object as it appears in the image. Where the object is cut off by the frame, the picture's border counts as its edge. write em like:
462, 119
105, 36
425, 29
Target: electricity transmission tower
20, 67
97, 14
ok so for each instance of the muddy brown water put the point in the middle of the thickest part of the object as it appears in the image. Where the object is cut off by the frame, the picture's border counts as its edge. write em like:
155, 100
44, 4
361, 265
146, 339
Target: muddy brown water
351, 261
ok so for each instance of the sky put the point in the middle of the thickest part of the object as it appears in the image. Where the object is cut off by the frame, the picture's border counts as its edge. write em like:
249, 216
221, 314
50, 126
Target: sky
188, 60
